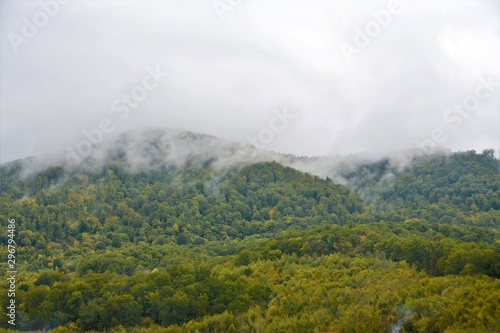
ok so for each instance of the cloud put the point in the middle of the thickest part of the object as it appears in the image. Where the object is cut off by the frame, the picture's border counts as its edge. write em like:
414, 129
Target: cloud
227, 77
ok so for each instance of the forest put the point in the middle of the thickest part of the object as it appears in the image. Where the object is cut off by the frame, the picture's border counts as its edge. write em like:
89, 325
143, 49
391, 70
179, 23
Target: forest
257, 247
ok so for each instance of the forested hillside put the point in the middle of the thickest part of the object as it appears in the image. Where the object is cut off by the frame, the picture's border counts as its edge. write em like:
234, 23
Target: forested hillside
256, 247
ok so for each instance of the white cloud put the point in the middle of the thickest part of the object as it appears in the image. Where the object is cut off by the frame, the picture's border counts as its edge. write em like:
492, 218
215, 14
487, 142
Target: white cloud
227, 76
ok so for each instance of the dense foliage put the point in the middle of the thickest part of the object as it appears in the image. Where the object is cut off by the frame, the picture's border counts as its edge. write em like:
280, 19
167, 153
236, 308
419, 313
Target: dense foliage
257, 248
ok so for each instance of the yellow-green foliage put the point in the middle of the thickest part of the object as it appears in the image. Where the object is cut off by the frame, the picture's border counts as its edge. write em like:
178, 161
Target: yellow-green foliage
261, 248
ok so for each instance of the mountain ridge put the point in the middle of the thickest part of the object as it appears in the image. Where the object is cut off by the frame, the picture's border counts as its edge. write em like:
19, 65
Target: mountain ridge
147, 148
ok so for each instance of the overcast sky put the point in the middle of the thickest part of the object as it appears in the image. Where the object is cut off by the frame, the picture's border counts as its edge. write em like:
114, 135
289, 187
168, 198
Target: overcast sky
352, 76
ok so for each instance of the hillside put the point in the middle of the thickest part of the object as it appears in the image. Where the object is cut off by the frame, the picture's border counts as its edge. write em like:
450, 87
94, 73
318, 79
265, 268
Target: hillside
170, 231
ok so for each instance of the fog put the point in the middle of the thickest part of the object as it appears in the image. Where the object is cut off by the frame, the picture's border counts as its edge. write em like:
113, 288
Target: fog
300, 77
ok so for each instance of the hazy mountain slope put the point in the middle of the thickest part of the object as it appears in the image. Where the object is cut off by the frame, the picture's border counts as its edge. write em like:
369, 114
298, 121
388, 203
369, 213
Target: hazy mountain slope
442, 187
147, 149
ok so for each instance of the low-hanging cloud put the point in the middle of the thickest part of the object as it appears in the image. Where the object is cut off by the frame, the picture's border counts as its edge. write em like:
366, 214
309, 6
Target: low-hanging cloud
227, 76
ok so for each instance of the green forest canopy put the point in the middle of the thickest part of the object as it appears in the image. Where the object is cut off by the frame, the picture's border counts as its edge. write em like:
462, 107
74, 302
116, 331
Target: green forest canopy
257, 248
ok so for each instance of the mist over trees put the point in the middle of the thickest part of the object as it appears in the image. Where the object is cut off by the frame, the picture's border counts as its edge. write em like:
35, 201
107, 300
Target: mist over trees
254, 246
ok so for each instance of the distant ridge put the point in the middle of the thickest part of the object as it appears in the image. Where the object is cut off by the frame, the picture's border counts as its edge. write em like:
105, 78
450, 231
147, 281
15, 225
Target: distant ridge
149, 148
